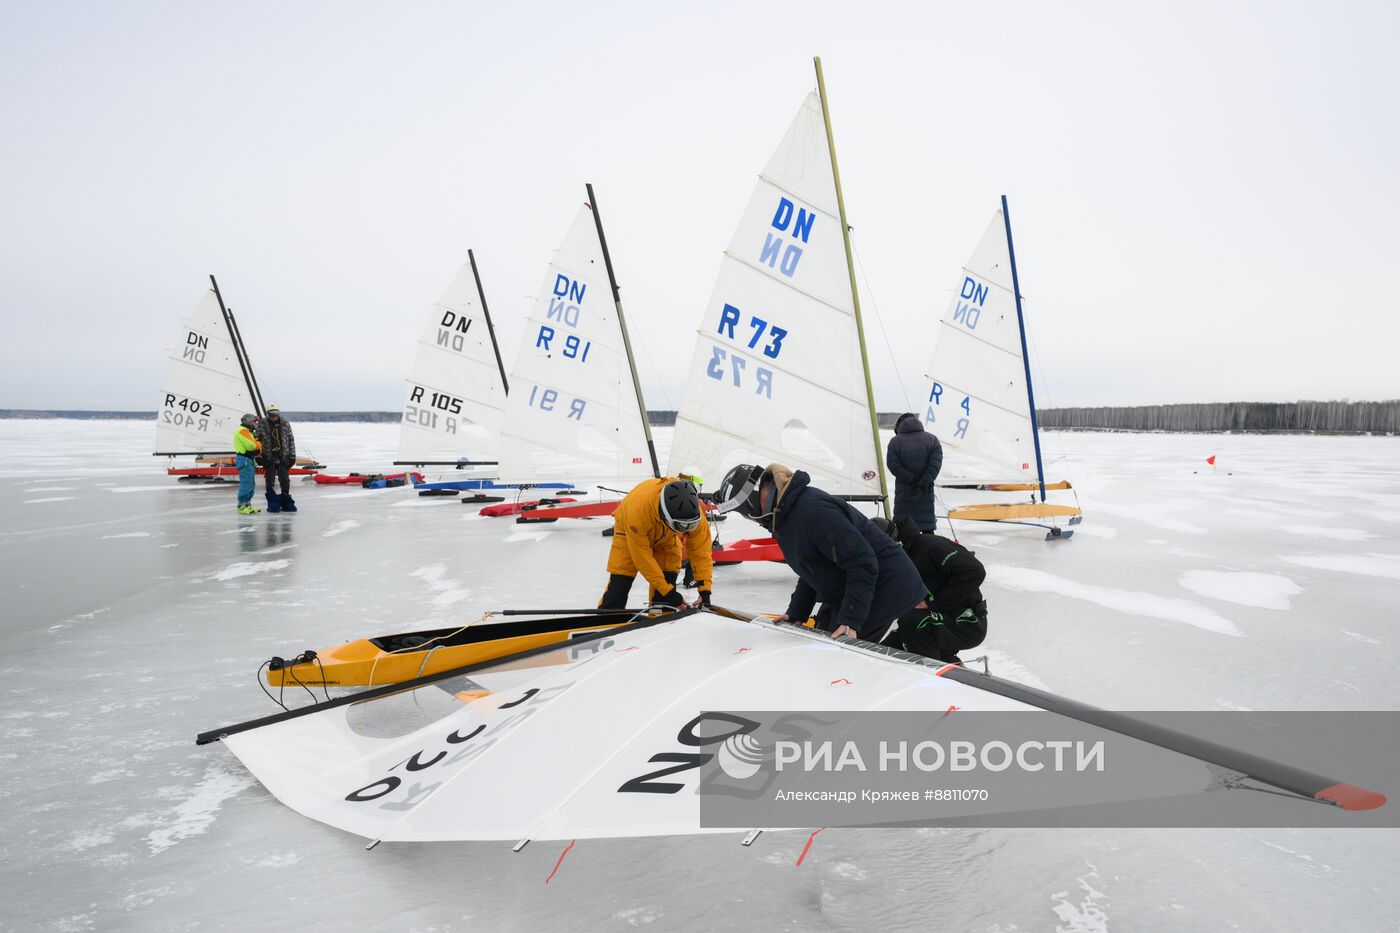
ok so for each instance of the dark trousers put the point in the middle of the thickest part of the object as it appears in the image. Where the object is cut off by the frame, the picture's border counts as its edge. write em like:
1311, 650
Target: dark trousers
276, 471
921, 632
620, 587
826, 622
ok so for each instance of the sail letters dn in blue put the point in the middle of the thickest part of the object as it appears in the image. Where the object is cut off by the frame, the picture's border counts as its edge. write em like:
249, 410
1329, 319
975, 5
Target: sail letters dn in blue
780, 252
969, 314
568, 295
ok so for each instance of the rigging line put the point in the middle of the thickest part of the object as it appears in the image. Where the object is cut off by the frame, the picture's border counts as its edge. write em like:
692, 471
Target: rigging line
1067, 460
880, 323
258, 678
656, 373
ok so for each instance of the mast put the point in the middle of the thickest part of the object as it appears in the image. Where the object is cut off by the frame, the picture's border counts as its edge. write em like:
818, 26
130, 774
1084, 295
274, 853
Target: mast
626, 341
486, 312
855, 293
236, 339
1025, 350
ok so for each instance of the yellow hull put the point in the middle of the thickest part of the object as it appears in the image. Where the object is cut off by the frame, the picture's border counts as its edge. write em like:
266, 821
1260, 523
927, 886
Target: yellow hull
393, 659
1012, 511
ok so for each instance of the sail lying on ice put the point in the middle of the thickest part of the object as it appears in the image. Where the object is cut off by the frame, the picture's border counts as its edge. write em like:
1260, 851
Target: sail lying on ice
205, 392
777, 373
455, 398
606, 737
573, 407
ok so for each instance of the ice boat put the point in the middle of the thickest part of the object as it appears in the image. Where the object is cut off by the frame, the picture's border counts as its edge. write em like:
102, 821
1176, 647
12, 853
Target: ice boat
388, 659
981, 403
209, 385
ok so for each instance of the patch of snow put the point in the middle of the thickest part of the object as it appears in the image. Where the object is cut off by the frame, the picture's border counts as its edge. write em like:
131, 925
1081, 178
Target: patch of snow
1127, 601
1158, 515
637, 916
339, 528
1089, 915
49, 489
196, 813
1002, 664
1324, 531
49, 499
1357, 636
247, 569
1369, 565
128, 534
1261, 590
530, 535
89, 839
849, 871
1092, 530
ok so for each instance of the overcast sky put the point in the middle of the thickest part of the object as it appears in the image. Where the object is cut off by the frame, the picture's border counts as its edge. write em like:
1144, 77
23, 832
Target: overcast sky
1204, 195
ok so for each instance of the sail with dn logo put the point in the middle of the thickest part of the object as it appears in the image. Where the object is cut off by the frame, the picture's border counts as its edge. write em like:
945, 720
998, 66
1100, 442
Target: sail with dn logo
575, 405
779, 371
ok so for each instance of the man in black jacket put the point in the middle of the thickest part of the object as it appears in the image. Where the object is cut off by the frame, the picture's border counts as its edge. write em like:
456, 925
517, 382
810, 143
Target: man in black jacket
279, 452
954, 617
863, 579
914, 456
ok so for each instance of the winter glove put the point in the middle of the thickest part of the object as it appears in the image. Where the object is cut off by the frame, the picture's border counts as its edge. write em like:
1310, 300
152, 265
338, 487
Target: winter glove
673, 599
920, 490
288, 461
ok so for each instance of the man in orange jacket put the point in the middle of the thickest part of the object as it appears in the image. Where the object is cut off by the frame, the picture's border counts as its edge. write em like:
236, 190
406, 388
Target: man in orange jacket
648, 527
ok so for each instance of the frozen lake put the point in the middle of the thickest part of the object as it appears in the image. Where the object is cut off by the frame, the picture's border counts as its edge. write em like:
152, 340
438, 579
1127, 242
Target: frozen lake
138, 610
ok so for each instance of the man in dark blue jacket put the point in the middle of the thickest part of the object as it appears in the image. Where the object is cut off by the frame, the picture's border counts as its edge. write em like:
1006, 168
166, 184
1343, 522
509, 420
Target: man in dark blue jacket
863, 579
914, 457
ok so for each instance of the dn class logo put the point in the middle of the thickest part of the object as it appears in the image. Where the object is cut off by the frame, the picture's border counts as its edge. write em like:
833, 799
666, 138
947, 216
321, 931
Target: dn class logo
739, 754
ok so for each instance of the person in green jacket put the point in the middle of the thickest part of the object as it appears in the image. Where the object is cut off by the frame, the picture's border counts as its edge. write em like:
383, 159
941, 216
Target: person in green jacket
246, 449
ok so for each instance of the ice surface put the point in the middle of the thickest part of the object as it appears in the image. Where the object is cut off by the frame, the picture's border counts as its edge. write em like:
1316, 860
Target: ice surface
1265, 590
138, 608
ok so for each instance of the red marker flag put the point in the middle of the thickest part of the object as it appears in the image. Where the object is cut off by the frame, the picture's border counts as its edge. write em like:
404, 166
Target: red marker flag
1211, 459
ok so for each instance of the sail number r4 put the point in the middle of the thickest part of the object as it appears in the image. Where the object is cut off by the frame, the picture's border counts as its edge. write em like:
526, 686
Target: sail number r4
935, 400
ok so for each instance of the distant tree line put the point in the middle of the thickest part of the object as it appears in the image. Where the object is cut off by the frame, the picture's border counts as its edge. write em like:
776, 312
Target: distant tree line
1341, 417
1336, 417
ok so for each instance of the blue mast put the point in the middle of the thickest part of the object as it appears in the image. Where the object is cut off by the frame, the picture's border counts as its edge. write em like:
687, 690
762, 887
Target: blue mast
1025, 351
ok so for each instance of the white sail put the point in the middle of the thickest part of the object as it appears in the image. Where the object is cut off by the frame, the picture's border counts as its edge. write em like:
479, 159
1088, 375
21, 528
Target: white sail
977, 401
454, 400
573, 409
204, 394
598, 740
777, 373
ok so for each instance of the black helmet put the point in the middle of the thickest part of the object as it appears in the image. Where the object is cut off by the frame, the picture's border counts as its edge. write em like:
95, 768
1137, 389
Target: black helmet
680, 506
738, 491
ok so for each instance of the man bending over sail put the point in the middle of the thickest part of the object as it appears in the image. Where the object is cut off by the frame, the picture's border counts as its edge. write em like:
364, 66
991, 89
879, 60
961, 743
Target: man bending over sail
863, 579
648, 527
954, 617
